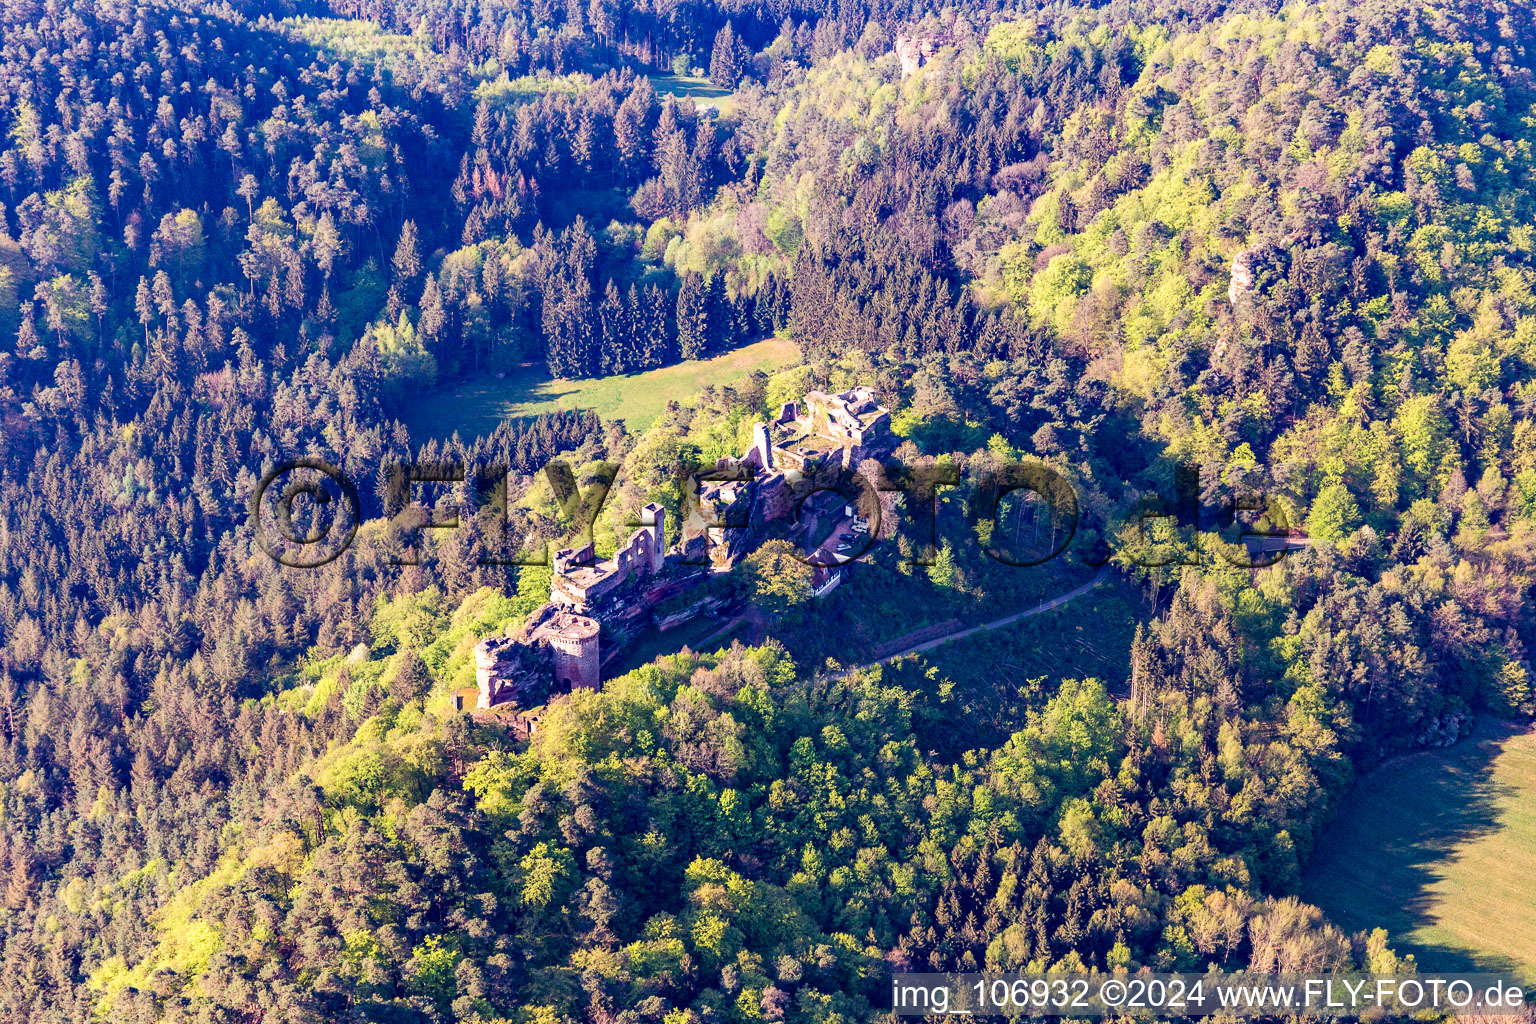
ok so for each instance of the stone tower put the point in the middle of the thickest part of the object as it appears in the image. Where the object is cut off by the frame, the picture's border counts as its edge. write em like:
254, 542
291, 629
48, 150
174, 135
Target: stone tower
655, 520
573, 642
763, 445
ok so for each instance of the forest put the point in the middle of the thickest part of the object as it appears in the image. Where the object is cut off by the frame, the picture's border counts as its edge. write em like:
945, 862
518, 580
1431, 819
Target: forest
1289, 245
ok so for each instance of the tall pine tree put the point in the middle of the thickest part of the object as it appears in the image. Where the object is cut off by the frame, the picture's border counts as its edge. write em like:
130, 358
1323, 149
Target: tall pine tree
660, 342
693, 317
614, 327
725, 59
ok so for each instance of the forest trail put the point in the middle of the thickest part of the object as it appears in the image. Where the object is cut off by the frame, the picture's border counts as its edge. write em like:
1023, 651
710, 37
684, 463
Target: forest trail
927, 645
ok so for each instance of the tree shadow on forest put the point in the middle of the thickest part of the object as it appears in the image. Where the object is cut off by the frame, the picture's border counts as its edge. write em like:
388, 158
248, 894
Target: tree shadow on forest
1377, 864
476, 405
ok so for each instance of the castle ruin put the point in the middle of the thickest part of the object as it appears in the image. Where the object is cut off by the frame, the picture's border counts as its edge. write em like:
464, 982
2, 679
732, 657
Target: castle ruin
580, 582
555, 650
559, 649
844, 429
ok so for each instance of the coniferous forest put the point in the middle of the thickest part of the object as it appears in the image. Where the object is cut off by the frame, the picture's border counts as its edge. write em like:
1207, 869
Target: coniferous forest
1290, 245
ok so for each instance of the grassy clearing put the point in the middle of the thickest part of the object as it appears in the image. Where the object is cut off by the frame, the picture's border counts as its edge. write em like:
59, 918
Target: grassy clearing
701, 90
1439, 848
1088, 637
476, 406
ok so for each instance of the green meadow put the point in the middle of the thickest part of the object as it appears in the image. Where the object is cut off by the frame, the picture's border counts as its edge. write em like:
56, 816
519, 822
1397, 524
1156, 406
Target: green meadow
475, 406
701, 90
1439, 848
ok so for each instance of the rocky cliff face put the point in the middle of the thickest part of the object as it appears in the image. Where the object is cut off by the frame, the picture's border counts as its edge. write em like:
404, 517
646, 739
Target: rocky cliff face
1242, 276
915, 51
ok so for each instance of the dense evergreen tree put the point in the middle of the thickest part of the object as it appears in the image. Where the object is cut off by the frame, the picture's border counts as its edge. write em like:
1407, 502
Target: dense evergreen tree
695, 333
725, 59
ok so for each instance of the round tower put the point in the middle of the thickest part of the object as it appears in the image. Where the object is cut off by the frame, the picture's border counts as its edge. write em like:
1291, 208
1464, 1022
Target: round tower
574, 643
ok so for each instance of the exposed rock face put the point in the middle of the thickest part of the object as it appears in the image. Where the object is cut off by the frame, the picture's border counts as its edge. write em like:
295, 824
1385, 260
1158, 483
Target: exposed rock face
915, 51
511, 670
1242, 276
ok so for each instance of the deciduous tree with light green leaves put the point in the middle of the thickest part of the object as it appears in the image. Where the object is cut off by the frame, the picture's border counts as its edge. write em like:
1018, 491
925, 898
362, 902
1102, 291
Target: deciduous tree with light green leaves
1334, 514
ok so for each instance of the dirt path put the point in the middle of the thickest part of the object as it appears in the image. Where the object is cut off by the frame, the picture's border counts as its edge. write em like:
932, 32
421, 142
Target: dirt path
1007, 620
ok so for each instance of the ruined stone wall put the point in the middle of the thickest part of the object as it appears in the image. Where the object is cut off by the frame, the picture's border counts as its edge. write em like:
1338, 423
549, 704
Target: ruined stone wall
579, 582
567, 559
597, 581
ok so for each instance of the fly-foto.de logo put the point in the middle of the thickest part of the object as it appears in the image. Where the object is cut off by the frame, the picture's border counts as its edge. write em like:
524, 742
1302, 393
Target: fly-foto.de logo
306, 512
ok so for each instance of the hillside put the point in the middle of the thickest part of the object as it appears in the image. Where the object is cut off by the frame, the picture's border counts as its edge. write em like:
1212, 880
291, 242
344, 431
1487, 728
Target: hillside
1194, 259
